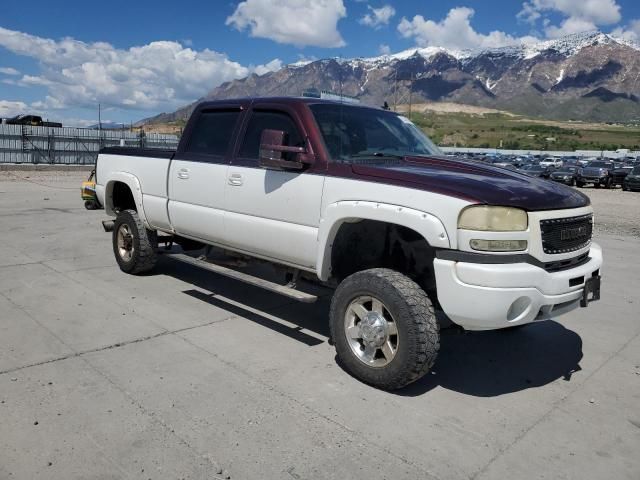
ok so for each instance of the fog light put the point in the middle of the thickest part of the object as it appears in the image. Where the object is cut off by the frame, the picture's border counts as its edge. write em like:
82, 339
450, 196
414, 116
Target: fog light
498, 245
518, 308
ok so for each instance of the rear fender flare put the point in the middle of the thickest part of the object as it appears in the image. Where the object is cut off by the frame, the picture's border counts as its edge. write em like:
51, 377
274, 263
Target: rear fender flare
136, 190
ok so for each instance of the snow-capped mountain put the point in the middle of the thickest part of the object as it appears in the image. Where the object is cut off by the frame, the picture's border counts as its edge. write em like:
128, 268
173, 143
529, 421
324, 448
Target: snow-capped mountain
586, 76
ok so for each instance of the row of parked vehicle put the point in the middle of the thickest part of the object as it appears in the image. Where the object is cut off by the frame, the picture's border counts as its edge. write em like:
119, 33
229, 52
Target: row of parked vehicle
574, 171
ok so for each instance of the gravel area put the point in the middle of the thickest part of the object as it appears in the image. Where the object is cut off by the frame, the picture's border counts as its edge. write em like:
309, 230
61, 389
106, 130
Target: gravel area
616, 212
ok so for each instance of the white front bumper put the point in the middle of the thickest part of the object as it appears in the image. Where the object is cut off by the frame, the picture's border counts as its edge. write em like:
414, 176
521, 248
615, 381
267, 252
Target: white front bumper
492, 296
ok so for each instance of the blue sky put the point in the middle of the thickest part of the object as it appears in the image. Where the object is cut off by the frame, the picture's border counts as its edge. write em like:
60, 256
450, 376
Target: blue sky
139, 58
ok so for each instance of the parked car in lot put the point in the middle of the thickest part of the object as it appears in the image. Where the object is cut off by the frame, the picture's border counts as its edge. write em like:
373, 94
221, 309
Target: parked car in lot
599, 173
619, 173
566, 175
632, 180
553, 162
33, 120
357, 199
536, 171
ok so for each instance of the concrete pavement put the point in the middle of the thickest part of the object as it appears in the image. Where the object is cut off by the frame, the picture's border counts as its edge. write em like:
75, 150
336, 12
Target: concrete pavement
184, 374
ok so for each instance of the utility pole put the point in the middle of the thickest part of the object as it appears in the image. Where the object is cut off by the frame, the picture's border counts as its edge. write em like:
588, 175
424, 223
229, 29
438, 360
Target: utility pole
410, 94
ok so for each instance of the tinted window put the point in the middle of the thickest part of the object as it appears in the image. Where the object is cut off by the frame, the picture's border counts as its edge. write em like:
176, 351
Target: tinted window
351, 132
261, 121
212, 132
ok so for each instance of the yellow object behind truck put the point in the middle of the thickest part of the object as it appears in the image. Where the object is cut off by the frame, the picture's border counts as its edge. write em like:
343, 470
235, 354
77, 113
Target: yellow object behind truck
88, 193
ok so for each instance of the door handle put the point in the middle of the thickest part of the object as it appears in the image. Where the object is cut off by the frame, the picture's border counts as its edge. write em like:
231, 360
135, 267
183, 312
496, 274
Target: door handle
236, 179
183, 173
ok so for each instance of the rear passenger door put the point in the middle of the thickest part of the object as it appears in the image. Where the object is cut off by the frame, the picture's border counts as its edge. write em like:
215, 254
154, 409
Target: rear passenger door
272, 213
197, 175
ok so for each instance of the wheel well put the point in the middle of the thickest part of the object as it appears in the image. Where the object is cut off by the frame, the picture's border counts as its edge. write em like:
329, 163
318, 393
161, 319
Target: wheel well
372, 244
122, 198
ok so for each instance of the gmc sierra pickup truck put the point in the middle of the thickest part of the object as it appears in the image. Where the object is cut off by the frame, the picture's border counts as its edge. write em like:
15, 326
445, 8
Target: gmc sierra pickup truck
360, 200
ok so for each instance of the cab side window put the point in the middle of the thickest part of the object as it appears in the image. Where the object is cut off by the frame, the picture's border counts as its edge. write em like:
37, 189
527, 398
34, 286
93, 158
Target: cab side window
268, 120
213, 132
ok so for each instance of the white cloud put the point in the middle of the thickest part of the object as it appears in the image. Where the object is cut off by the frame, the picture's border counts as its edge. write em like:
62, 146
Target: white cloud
384, 49
578, 15
297, 22
9, 71
159, 75
598, 12
630, 32
272, 66
568, 26
378, 16
11, 109
455, 31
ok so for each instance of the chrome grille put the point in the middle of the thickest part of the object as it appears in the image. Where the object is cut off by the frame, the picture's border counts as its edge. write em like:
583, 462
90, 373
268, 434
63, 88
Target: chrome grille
563, 235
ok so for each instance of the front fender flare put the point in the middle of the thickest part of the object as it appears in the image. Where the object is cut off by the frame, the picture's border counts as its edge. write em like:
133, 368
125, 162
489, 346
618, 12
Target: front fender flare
427, 225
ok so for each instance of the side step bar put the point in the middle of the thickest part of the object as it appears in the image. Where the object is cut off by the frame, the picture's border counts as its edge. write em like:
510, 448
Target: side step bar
244, 277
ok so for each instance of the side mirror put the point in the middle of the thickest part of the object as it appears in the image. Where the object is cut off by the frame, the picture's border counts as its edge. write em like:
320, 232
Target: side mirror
273, 147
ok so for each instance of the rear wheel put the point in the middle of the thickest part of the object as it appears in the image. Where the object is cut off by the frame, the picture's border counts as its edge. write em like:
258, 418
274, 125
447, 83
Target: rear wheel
596, 185
384, 328
579, 184
133, 245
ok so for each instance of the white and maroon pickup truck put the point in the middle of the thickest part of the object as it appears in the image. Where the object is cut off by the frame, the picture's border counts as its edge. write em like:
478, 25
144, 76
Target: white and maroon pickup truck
358, 199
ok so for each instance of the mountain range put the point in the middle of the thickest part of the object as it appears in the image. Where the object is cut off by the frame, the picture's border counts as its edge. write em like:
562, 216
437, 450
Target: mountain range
588, 76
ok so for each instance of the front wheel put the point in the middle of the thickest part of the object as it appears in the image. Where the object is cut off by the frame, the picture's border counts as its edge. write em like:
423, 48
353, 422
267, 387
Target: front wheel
579, 184
133, 245
384, 328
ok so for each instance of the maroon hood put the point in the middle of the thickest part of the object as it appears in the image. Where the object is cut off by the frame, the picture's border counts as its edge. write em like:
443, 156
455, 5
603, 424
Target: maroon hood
473, 181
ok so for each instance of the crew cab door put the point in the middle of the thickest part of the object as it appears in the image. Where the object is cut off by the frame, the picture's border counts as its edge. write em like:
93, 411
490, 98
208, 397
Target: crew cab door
273, 213
198, 172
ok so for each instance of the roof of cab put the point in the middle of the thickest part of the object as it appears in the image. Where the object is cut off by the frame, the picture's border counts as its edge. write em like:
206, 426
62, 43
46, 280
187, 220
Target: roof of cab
283, 100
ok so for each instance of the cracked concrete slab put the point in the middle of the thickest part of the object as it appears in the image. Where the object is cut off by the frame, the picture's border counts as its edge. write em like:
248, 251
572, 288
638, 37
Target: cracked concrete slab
203, 374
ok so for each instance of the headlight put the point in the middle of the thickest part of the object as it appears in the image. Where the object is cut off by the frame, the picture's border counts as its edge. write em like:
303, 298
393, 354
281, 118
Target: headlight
493, 219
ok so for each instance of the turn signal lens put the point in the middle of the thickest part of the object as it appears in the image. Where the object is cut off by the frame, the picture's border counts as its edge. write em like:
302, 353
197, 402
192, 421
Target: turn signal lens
493, 219
498, 245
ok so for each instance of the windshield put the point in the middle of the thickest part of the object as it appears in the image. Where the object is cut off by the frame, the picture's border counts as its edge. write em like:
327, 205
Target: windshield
600, 165
354, 132
567, 170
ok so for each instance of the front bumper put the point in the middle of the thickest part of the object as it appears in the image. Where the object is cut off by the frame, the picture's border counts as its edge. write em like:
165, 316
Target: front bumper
566, 181
632, 184
594, 180
493, 296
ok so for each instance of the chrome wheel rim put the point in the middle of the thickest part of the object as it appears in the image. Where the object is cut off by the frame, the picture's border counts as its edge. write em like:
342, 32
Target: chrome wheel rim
371, 331
124, 241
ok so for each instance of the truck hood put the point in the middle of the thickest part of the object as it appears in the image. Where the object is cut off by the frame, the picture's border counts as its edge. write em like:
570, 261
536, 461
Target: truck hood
593, 171
473, 181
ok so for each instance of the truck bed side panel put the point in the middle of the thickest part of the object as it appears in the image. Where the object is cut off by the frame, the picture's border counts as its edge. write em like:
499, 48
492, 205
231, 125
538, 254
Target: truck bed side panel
151, 173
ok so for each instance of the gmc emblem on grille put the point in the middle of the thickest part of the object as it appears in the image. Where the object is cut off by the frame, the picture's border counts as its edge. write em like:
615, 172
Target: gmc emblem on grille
573, 233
